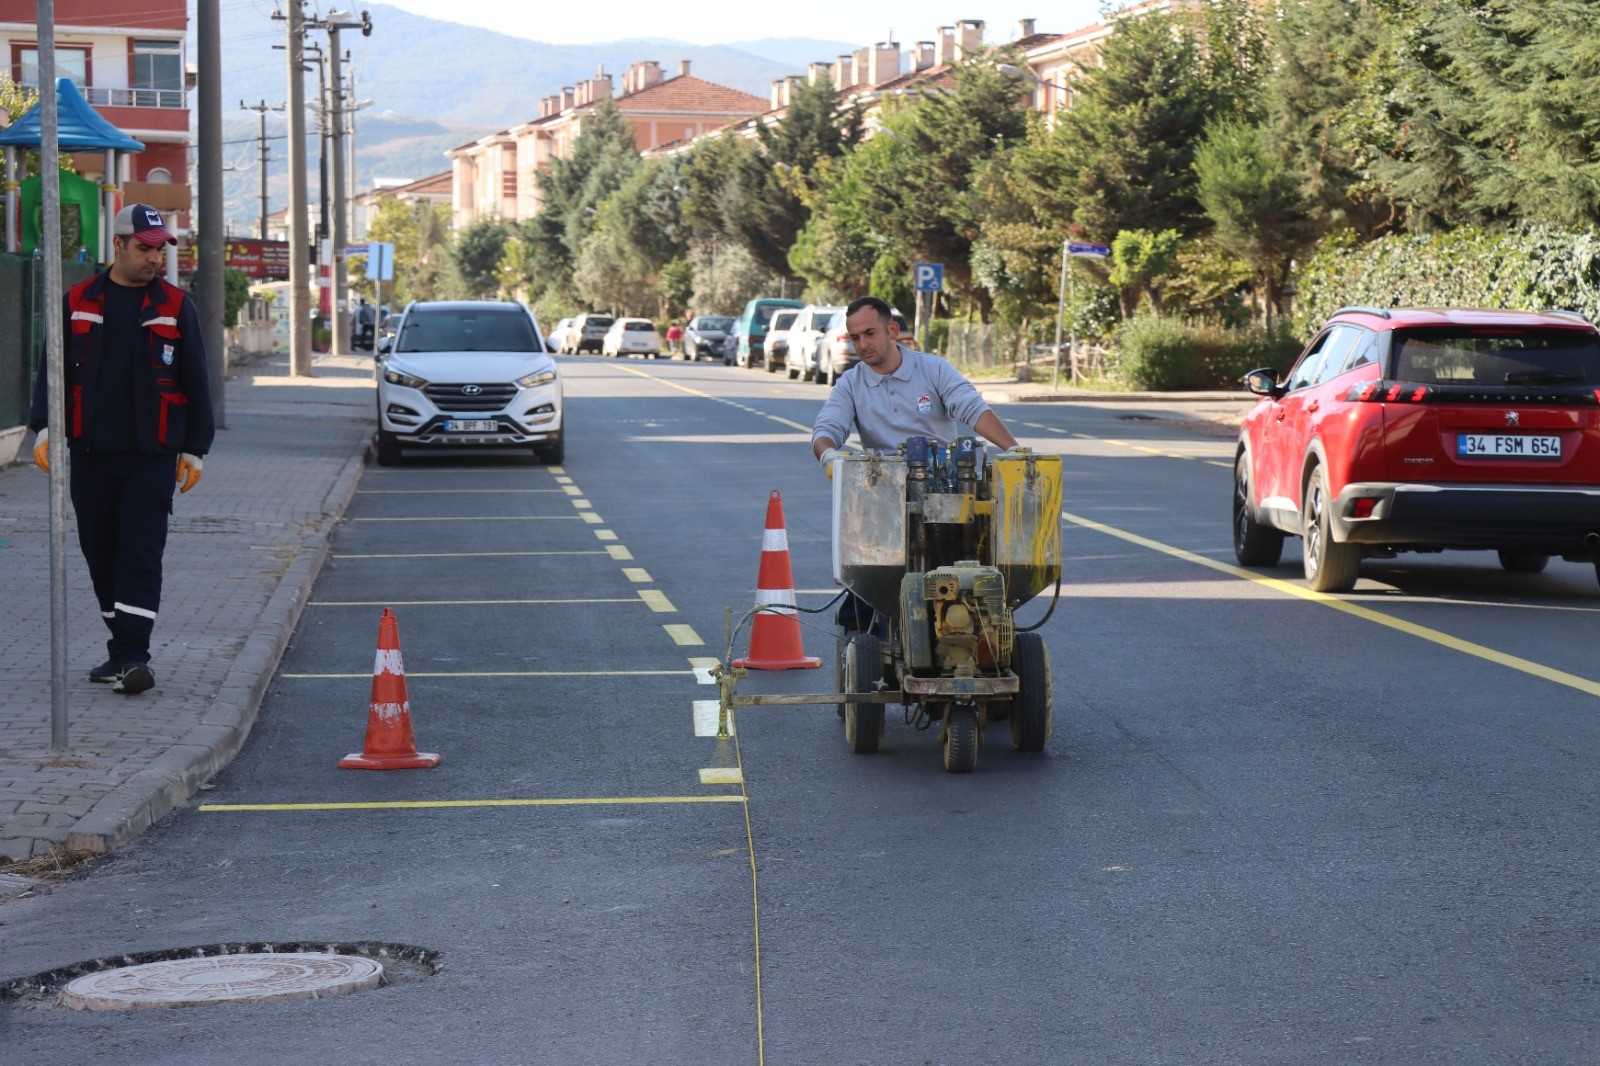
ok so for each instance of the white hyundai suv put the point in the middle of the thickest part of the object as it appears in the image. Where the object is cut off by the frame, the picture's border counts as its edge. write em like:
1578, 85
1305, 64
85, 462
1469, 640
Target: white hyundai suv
468, 374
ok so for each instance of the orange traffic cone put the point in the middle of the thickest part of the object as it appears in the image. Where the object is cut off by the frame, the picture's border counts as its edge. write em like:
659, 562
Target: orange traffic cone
389, 745
775, 634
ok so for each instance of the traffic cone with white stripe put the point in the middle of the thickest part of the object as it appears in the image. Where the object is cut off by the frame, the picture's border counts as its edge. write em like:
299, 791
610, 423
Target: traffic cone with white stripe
390, 745
775, 633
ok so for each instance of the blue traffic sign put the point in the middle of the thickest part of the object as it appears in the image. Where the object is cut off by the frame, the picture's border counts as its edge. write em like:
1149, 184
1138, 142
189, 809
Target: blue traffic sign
928, 277
1088, 251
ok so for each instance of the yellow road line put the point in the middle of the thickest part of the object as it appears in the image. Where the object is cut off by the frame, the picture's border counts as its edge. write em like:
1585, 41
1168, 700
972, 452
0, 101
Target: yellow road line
412, 805
719, 399
636, 573
498, 673
451, 603
572, 490
563, 480
684, 636
1434, 636
755, 893
459, 555
479, 518
721, 775
444, 492
582, 505
616, 551
657, 601
589, 517
556, 469
606, 534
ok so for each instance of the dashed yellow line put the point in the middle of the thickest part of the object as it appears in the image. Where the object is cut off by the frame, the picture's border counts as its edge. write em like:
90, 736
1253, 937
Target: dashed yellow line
452, 603
447, 492
1421, 632
616, 551
721, 775
657, 601
414, 805
636, 573
684, 636
605, 534
571, 490
590, 517
479, 518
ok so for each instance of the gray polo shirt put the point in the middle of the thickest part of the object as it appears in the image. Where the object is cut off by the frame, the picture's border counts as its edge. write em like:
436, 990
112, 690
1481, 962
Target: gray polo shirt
925, 397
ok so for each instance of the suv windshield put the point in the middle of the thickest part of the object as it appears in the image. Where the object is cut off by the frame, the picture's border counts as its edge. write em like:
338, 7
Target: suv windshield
474, 329
1507, 356
713, 325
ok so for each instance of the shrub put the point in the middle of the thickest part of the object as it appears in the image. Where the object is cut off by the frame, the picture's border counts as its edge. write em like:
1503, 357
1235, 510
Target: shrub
1163, 354
1157, 353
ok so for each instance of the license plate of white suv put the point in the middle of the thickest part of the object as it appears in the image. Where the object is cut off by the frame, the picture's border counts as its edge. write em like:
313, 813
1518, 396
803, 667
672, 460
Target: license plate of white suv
1507, 446
470, 425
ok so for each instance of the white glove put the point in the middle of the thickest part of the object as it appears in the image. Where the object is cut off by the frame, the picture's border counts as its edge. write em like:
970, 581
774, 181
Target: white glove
41, 450
829, 455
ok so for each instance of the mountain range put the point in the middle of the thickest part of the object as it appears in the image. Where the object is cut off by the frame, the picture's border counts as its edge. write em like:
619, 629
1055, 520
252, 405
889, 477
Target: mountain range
435, 84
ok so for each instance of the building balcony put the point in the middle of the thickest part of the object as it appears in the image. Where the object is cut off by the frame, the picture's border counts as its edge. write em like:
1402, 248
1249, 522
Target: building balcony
159, 98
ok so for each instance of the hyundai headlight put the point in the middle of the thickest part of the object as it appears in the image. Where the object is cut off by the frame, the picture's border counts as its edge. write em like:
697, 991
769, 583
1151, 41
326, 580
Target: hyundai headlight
542, 377
397, 377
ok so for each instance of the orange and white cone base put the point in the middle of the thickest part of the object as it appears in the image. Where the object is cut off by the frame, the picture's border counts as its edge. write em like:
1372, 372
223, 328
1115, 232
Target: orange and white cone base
389, 745
775, 634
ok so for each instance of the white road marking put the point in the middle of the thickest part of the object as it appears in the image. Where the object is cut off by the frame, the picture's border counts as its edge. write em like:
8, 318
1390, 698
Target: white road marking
721, 775
706, 713
684, 636
636, 573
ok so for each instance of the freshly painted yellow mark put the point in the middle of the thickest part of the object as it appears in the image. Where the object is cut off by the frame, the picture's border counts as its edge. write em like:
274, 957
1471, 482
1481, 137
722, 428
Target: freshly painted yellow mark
556, 470
448, 603
582, 505
563, 481
414, 805
479, 518
706, 715
684, 636
1465, 647
755, 894
500, 673
616, 551
590, 517
445, 492
571, 490
458, 555
636, 573
605, 534
657, 601
719, 399
721, 775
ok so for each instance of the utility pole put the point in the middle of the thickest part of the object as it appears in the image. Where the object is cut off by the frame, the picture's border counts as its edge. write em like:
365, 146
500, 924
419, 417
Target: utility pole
341, 312
209, 288
299, 265
261, 110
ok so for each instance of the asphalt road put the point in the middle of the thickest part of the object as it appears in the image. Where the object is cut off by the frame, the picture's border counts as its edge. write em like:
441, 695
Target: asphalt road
1270, 826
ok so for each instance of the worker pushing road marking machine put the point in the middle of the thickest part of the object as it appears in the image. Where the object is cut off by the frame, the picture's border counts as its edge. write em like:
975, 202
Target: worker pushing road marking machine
941, 543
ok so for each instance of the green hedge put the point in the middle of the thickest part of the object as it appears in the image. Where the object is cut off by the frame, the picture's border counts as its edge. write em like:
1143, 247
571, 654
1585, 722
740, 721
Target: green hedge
1164, 354
1530, 269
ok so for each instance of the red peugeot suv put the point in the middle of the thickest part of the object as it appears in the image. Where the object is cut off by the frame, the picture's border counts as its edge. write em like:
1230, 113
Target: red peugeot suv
1425, 430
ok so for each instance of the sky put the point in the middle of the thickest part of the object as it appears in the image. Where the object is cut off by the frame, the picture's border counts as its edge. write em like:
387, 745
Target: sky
723, 21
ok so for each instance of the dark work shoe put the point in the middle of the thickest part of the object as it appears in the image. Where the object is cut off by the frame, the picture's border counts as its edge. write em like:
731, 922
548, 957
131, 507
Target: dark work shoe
136, 678
106, 673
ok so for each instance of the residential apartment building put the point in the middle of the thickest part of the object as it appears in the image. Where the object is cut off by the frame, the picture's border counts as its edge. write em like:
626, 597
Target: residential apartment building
433, 189
497, 174
129, 62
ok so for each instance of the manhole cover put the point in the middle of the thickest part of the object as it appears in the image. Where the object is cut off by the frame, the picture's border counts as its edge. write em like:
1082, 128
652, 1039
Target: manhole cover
252, 978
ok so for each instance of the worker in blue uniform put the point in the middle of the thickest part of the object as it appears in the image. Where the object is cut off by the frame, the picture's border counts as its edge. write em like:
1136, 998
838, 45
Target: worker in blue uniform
138, 422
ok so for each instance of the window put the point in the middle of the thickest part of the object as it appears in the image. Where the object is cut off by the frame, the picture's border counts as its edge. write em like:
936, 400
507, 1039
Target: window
1510, 356
70, 63
1337, 352
1333, 345
452, 330
157, 65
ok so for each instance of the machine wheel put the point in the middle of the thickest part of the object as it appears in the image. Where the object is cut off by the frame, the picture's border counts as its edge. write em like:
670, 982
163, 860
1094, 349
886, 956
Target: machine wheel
961, 735
832, 377
388, 448
1329, 565
863, 668
1030, 709
1253, 543
771, 364
1523, 562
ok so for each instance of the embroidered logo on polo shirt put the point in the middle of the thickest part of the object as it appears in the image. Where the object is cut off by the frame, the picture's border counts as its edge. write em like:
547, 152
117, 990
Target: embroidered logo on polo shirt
924, 405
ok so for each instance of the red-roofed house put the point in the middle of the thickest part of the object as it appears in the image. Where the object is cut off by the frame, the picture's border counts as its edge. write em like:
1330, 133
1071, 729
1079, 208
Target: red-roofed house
495, 175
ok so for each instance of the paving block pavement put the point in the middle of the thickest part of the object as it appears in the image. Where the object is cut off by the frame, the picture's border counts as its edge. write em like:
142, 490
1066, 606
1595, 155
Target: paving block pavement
243, 549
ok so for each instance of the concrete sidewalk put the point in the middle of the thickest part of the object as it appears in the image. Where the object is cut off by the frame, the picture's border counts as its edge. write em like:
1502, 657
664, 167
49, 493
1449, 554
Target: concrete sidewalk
1215, 413
243, 550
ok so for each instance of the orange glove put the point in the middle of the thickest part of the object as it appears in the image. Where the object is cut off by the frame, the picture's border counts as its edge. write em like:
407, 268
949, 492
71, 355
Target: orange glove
189, 467
41, 450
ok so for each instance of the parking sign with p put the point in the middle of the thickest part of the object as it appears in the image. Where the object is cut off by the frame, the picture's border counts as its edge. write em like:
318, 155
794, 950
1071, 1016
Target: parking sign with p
928, 277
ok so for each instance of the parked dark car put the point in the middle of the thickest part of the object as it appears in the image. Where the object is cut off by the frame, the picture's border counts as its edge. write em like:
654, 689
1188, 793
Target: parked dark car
707, 338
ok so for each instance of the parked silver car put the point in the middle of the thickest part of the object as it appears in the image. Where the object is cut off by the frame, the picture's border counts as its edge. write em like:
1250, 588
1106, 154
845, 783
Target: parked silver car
805, 340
